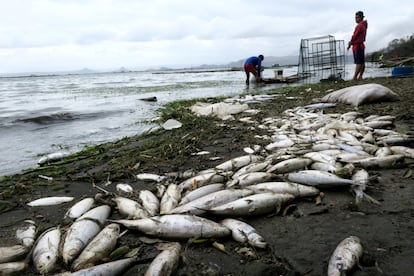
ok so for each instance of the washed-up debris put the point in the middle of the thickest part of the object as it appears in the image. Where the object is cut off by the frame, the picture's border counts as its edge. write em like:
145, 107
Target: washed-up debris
362, 94
171, 124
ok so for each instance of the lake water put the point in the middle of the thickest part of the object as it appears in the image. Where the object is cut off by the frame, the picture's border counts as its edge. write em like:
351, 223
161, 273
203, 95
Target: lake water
45, 114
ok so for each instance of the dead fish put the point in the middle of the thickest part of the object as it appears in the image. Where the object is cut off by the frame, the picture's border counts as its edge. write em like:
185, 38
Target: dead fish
98, 248
298, 190
52, 157
200, 192
253, 167
82, 231
378, 124
200, 205
49, 201
238, 162
250, 179
170, 199
257, 204
284, 143
26, 233
345, 256
150, 202
406, 151
380, 162
123, 188
177, 226
319, 156
166, 262
290, 165
318, 178
332, 168
361, 177
79, 208
383, 151
46, 250
130, 208
13, 268
201, 180
150, 177
244, 233
110, 268
12, 253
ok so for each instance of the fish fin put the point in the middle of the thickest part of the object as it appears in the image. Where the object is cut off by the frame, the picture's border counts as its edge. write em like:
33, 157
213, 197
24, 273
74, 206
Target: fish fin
371, 199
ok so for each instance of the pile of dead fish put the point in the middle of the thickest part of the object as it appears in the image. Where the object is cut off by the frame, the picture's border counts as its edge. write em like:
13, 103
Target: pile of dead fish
307, 150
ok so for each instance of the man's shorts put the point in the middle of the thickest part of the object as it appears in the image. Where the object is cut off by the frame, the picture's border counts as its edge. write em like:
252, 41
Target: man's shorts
359, 54
250, 68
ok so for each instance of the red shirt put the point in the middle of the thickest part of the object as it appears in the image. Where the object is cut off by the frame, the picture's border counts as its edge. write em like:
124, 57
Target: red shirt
359, 35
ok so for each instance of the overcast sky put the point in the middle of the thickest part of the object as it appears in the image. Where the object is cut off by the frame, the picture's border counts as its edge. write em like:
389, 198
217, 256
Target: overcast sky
58, 35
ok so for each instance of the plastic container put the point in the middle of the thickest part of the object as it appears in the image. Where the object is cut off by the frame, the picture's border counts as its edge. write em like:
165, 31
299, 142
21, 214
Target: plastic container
402, 71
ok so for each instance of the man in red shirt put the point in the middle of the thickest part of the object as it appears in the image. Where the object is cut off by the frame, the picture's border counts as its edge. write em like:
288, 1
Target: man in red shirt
357, 43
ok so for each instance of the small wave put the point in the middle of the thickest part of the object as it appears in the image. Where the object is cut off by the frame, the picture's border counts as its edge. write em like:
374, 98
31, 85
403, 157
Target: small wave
47, 119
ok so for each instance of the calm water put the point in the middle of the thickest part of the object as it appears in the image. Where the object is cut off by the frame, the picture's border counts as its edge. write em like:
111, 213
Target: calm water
40, 115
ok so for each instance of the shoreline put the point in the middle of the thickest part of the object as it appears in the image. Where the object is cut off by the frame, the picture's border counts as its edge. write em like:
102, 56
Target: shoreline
299, 242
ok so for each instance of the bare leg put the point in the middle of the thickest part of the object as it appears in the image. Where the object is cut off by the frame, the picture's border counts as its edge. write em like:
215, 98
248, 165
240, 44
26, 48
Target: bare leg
247, 78
357, 71
361, 71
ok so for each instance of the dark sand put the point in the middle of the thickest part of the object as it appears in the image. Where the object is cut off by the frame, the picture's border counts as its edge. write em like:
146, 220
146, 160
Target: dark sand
301, 239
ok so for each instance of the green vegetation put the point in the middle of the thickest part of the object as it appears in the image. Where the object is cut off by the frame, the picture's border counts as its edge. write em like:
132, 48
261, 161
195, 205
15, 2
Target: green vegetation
397, 49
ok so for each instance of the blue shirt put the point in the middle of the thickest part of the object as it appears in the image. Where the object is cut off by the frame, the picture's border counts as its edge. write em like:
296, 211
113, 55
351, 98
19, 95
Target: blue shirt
255, 61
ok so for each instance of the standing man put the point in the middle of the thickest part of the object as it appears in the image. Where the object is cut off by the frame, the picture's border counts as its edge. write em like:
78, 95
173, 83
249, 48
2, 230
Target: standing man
357, 43
253, 65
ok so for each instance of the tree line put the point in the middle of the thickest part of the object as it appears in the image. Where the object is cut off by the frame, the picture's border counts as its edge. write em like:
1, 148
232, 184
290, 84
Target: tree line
398, 48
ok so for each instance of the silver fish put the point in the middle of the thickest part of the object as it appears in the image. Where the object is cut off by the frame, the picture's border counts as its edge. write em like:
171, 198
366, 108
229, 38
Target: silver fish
380, 162
170, 199
244, 233
257, 204
79, 208
13, 268
406, 151
83, 230
123, 188
362, 178
110, 268
253, 167
46, 250
26, 233
318, 178
201, 204
345, 256
177, 226
98, 248
166, 262
290, 165
48, 201
150, 202
12, 253
201, 180
250, 179
202, 191
238, 162
130, 208
298, 190
150, 177
56, 156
